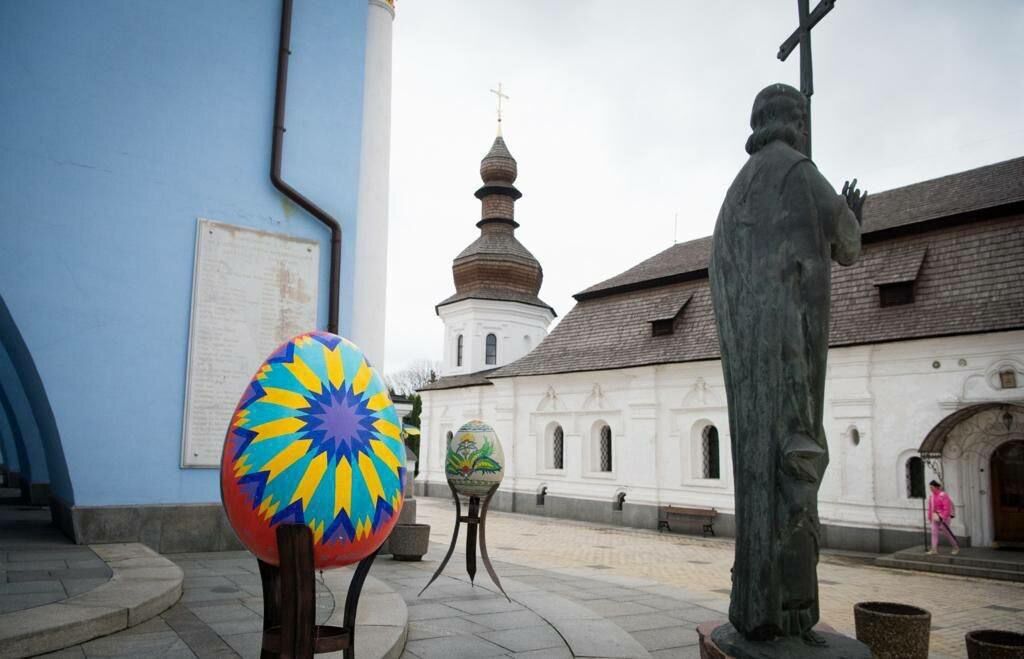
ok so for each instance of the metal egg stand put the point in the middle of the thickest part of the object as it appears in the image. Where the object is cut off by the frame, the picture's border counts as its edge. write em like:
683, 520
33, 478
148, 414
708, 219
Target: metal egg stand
474, 519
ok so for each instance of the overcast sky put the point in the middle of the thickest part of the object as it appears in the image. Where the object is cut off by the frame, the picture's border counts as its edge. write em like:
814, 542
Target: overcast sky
623, 114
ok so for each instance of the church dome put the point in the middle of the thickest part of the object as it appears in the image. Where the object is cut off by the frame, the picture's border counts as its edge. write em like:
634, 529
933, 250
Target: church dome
498, 165
496, 266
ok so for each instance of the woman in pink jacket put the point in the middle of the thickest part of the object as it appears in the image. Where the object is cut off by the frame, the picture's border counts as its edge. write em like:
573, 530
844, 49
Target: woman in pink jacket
940, 511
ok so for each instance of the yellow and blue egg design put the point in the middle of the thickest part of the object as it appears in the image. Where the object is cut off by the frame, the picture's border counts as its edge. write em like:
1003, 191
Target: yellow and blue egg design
315, 440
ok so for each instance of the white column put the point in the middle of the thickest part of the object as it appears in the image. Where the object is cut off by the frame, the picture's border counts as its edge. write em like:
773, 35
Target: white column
371, 246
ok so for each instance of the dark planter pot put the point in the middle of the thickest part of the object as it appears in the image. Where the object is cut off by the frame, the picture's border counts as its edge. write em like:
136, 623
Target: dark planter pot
994, 644
409, 542
893, 630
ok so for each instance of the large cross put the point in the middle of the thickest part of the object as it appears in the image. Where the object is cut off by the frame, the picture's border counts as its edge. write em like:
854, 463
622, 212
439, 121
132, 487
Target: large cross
802, 37
497, 92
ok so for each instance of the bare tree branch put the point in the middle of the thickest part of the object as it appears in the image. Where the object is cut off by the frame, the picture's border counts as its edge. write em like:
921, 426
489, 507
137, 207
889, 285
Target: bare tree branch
411, 378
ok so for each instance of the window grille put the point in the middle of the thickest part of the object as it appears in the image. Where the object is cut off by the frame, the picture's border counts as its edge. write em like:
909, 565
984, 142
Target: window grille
915, 478
491, 350
709, 441
606, 448
458, 351
558, 449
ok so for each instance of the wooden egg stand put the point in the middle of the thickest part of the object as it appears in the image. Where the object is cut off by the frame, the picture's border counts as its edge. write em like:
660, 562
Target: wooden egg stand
289, 601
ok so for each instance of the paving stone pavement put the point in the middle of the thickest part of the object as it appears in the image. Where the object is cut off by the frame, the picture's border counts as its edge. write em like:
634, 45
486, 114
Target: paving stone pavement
653, 589
38, 565
220, 614
701, 566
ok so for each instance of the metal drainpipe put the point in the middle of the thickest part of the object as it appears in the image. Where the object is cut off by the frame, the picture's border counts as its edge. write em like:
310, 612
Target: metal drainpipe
320, 214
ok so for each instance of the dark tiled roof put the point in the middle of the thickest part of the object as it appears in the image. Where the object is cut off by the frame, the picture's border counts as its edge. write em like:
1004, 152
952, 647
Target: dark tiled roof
503, 244
902, 265
970, 191
457, 381
971, 280
965, 192
672, 307
666, 266
503, 295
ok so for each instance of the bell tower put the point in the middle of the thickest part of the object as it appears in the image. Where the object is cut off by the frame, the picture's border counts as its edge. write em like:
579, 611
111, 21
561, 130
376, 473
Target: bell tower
495, 316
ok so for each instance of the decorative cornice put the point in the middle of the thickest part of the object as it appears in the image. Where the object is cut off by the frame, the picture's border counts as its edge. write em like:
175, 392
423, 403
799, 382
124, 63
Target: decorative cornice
385, 4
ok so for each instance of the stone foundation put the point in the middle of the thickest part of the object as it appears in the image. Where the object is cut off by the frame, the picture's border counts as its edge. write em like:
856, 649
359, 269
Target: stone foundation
645, 516
719, 640
168, 529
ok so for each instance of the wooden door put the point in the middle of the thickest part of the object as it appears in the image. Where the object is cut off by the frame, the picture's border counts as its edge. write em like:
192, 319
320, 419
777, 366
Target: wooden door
1007, 471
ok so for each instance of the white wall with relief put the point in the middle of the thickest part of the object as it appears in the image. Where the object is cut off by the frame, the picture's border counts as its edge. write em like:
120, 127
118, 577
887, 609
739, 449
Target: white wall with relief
881, 402
517, 328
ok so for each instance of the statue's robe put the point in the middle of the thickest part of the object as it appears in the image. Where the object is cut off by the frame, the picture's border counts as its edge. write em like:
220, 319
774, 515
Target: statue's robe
779, 228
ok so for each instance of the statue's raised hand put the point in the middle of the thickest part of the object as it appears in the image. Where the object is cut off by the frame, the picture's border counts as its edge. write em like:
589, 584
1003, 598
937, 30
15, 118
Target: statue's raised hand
854, 198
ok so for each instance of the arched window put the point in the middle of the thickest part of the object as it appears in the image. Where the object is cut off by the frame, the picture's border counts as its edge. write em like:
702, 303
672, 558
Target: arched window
491, 350
617, 502
448, 438
709, 450
558, 449
458, 351
915, 478
542, 492
605, 448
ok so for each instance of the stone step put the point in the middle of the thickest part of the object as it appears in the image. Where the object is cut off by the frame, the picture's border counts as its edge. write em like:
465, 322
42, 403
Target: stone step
382, 619
956, 568
961, 560
143, 585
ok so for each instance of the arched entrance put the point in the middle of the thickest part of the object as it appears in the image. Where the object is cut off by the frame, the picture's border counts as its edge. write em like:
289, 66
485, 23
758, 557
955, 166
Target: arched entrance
1007, 469
965, 449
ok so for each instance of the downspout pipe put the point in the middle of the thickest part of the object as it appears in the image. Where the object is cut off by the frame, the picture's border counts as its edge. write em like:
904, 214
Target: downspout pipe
277, 146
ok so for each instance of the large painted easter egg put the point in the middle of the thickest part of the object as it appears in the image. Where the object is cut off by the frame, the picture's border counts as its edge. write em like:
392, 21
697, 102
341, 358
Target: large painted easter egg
314, 440
475, 462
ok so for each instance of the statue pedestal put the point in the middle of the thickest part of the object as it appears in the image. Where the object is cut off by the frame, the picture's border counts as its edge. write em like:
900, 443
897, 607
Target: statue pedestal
729, 644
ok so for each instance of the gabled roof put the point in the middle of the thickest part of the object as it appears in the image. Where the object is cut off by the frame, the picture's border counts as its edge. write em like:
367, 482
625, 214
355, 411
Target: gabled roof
972, 191
960, 238
971, 281
458, 381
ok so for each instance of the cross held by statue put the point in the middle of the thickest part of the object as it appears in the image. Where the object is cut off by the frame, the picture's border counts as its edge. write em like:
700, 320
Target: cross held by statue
802, 37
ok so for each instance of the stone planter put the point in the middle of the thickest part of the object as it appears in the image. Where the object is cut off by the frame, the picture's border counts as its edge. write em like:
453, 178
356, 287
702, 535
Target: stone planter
994, 644
893, 630
409, 542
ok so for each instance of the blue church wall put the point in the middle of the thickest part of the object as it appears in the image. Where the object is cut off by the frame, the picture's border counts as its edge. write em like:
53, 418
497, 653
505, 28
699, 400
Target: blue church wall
123, 123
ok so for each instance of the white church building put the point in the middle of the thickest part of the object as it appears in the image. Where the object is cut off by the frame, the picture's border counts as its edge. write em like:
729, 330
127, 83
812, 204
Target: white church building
620, 411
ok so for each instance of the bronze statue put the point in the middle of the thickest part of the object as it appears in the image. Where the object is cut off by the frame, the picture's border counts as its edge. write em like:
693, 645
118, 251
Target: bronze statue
778, 231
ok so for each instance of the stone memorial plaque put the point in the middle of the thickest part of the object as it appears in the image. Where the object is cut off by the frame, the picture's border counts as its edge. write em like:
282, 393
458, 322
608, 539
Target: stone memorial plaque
251, 292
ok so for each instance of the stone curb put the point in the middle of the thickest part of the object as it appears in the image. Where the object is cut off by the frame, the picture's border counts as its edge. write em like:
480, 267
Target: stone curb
143, 585
382, 619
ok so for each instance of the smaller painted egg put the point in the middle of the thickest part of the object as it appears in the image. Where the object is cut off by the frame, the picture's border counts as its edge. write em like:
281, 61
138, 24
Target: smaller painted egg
475, 462
314, 441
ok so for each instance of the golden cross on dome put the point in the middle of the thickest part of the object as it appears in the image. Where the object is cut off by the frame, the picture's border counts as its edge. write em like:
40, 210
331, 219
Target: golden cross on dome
501, 95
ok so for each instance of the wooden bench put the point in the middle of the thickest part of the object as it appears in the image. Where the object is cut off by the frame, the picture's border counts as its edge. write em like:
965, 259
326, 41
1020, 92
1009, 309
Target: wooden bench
705, 515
